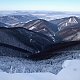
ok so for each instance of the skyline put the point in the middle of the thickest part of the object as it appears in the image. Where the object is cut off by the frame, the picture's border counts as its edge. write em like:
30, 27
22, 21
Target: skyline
52, 5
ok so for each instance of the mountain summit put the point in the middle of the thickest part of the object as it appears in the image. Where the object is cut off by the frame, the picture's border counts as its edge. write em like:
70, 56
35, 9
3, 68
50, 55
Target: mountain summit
66, 22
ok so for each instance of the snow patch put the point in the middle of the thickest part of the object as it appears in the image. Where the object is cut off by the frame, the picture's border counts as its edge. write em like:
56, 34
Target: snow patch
31, 28
79, 54
30, 40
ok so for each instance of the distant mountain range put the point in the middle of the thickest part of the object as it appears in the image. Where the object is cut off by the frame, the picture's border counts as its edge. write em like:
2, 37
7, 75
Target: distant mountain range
55, 29
3, 25
28, 35
14, 19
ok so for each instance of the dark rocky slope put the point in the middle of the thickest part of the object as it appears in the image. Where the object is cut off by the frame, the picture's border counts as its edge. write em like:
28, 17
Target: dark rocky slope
23, 39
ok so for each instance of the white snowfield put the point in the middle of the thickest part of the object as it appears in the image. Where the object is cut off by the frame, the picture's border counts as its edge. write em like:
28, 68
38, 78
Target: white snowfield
70, 71
27, 76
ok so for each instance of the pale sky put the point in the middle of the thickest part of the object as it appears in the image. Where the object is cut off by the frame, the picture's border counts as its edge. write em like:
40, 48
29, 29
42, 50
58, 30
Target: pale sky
54, 5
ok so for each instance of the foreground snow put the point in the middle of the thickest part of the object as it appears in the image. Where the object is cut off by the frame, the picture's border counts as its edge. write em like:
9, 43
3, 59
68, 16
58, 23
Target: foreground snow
70, 71
27, 76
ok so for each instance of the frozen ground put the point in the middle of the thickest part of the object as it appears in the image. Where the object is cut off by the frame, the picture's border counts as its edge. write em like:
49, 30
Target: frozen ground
53, 65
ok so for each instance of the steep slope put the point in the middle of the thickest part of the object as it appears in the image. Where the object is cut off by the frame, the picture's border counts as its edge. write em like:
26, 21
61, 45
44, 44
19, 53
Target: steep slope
40, 26
66, 22
14, 19
27, 40
69, 34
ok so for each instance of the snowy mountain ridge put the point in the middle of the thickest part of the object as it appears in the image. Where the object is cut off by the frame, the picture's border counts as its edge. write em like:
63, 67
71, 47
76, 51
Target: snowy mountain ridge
69, 22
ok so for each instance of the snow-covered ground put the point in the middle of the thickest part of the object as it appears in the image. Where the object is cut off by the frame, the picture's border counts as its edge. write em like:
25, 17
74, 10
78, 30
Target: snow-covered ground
27, 76
52, 65
62, 67
70, 71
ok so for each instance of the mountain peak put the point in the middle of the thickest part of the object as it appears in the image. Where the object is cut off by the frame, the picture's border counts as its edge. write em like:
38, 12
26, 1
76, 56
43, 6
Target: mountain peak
73, 20
66, 22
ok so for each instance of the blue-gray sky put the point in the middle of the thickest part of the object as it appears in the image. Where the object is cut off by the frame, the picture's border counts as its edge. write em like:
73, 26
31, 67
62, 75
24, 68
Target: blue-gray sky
54, 5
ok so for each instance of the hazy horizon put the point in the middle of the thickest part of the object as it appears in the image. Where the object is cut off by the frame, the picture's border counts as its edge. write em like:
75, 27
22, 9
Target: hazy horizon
49, 5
